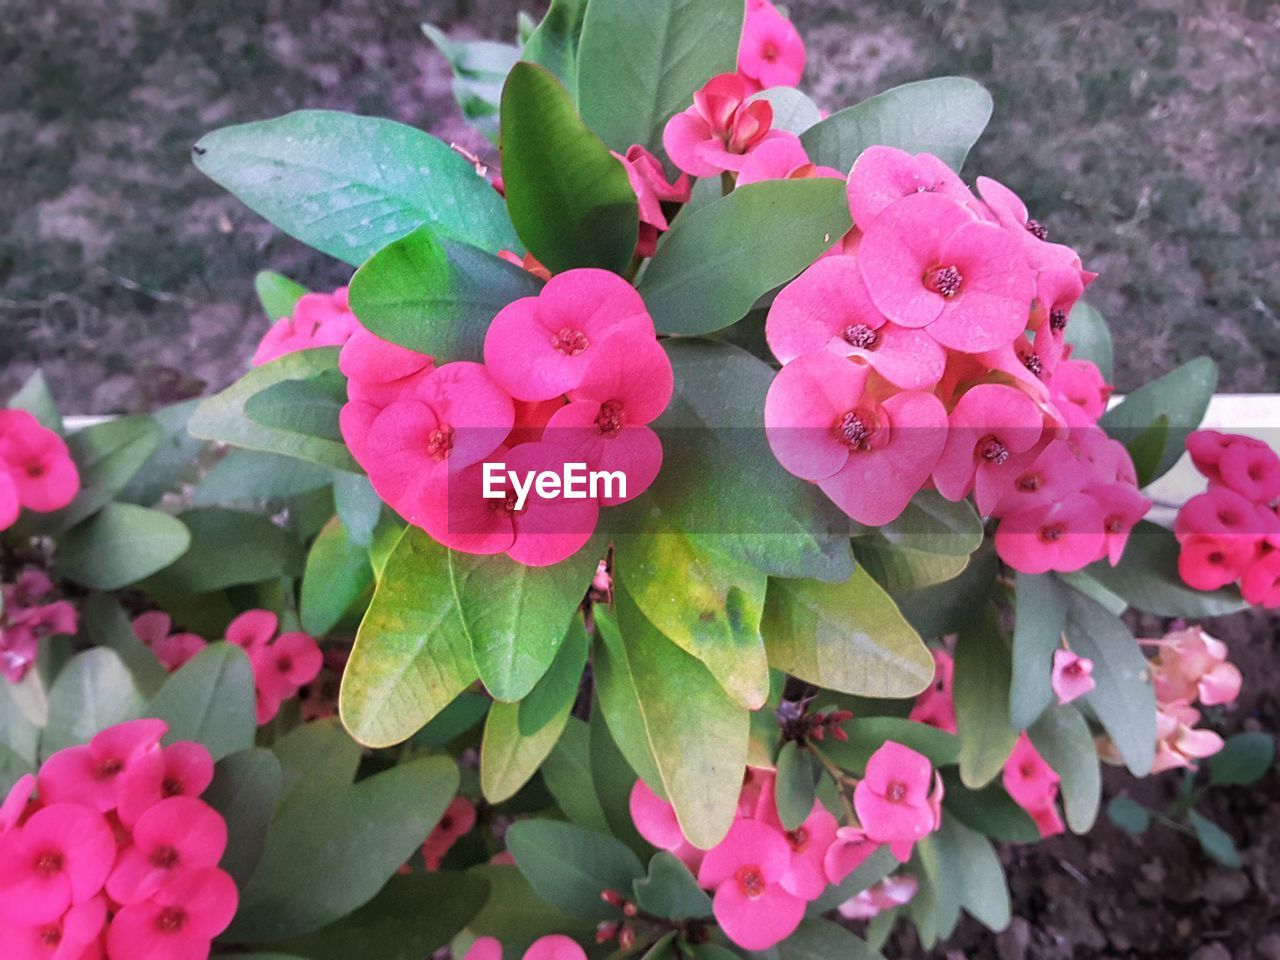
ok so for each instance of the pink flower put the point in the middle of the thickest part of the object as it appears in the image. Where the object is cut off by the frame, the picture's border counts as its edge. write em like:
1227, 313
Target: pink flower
1178, 742
25, 621
1072, 676
1033, 785
1208, 446
9, 505
936, 706
782, 158
58, 858
171, 649
484, 948
881, 176
253, 628
183, 769
179, 922
282, 669
319, 320
868, 448
555, 946
771, 53
37, 463
1189, 665
649, 181
989, 426
16, 802
891, 892
540, 347
73, 936
378, 374
893, 801
806, 877
745, 870
1122, 507
172, 837
1261, 582
720, 129
1208, 561
828, 307
1062, 535
847, 852
458, 819
90, 774
1080, 382
1252, 471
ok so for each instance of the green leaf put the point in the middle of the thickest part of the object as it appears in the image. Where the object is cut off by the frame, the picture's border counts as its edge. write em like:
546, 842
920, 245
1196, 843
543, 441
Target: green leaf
869, 734
1123, 699
277, 293
946, 607
871, 871
435, 295
105, 625
796, 783
792, 110
818, 939
568, 777
224, 417
554, 42
944, 116
517, 916
990, 811
628, 90
412, 655
121, 545
933, 524
1147, 578
1090, 338
92, 692
229, 547
245, 791
174, 460
330, 850
707, 603
901, 569
308, 407
614, 777
670, 717
35, 398
337, 575
982, 678
570, 200
1129, 815
246, 476
210, 700
1041, 616
965, 872
711, 266
1181, 397
670, 890
19, 732
1063, 738
509, 758
479, 67
454, 721
1147, 447
556, 692
569, 867
1243, 759
849, 637
359, 507
349, 185
1216, 842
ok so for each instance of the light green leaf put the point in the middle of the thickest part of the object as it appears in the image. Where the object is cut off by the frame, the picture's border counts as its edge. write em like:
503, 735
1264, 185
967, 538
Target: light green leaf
982, 678
792, 110
35, 398
307, 407
337, 575
1041, 616
614, 777
569, 867
1181, 397
121, 545
509, 758
92, 692
554, 42
229, 547
517, 916
1129, 815
818, 939
568, 776
277, 293
246, 476
965, 872
933, 524
1063, 738
479, 67
1216, 842
210, 700
990, 811
556, 692
901, 569
106, 625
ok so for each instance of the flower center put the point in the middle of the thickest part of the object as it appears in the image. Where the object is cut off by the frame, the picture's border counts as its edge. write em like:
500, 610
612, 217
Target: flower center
896, 792
944, 281
1057, 319
798, 838
171, 787
50, 937
1028, 771
992, 450
1030, 482
853, 431
1032, 363
570, 342
750, 882
1073, 669
171, 920
164, 858
440, 443
35, 469
1114, 523
769, 51
861, 336
1037, 229
110, 768
609, 419
49, 863
284, 664
1052, 532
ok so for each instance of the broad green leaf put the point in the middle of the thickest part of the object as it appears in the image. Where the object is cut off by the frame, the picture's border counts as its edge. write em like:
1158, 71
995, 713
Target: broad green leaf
796, 781
358, 505
1090, 338
982, 678
901, 569
1040, 616
849, 637
459, 718
712, 266
707, 603
614, 776
990, 811
556, 692
174, 460
1181, 397
317, 757
965, 872
349, 185
479, 67
337, 575
277, 293
554, 42
92, 692
105, 625
13, 767
120, 545
668, 712
946, 607
670, 890
933, 524
516, 616
1129, 815
568, 777
1244, 758
509, 758
569, 866
412, 655
1216, 842
517, 916
570, 200
869, 734
819, 939
307, 407
1147, 578
1147, 447
944, 116
223, 416
435, 295
210, 700
19, 733
108, 454
792, 110
229, 547
245, 791
329, 851
245, 476
1123, 699
628, 90
1063, 738
35, 398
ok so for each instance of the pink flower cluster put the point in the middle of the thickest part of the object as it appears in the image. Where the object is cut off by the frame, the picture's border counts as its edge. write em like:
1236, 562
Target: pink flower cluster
282, 665
25, 620
554, 946
36, 470
763, 875
771, 52
107, 852
1231, 532
928, 352
1033, 785
318, 320
572, 375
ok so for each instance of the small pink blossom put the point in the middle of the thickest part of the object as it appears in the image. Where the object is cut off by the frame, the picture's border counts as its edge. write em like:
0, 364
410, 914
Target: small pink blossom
484, 948
1260, 584
458, 819
1190, 664
1072, 676
1062, 535
179, 922
1208, 446
990, 426
655, 820
283, 668
25, 621
649, 181
1033, 785
891, 892
182, 769
318, 320
555, 946
171, 649
893, 800
1253, 471
253, 628
37, 466
721, 128
745, 870
1179, 743
806, 877
936, 706
173, 836
90, 774
72, 936
847, 852
771, 53
58, 858
881, 176
1080, 382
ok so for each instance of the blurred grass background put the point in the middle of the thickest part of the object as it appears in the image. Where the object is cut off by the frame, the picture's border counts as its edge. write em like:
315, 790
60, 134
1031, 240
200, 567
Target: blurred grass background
1146, 134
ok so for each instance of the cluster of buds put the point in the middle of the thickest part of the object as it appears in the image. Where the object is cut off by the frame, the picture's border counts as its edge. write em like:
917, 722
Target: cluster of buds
800, 725
621, 930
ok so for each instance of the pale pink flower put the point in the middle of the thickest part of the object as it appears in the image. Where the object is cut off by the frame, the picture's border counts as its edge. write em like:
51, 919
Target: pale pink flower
771, 53
649, 181
154, 629
847, 852
893, 800
1072, 676
893, 891
318, 320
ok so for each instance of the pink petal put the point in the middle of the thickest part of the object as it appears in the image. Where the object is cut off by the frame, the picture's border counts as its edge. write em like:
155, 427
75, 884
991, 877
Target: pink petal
804, 404
756, 923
